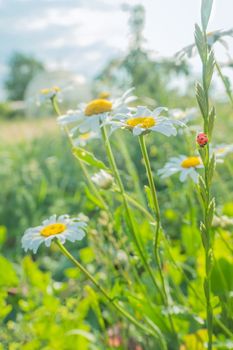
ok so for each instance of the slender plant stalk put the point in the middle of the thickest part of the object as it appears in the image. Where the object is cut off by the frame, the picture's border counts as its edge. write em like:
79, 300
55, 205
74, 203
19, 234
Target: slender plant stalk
113, 303
225, 82
208, 202
158, 226
82, 165
127, 209
130, 167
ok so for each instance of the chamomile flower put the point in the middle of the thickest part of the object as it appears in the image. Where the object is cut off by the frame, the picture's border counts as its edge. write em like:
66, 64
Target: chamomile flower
186, 166
48, 93
184, 116
103, 179
221, 151
83, 139
143, 120
89, 115
62, 228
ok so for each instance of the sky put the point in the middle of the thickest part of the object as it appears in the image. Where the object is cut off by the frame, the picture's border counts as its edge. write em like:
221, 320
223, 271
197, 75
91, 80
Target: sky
82, 35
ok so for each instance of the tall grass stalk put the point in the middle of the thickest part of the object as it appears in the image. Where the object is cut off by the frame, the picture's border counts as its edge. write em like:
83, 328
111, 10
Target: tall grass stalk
208, 114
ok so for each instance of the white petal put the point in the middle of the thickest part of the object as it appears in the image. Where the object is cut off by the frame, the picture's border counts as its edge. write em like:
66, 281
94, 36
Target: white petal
156, 112
50, 220
194, 175
137, 131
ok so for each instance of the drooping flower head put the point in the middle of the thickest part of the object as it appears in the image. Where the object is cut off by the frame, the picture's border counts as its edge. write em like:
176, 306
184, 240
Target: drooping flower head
89, 115
103, 179
186, 166
142, 121
62, 228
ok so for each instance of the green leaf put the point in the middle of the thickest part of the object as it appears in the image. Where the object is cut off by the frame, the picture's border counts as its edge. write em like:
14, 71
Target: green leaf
211, 168
200, 42
206, 7
202, 189
210, 63
203, 154
3, 232
212, 117
203, 235
5, 308
88, 158
93, 198
201, 99
87, 255
149, 197
94, 299
8, 277
211, 210
221, 281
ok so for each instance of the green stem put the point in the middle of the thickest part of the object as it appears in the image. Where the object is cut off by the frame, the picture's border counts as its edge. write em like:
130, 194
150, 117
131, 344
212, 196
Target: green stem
225, 83
158, 225
82, 165
115, 305
207, 244
139, 207
130, 166
126, 206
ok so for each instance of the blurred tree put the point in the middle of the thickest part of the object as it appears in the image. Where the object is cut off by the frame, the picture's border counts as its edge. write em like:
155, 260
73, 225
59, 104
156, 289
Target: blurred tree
22, 68
138, 68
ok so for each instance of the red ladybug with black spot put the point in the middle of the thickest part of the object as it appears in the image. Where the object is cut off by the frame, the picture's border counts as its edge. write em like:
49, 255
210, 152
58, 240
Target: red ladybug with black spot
202, 139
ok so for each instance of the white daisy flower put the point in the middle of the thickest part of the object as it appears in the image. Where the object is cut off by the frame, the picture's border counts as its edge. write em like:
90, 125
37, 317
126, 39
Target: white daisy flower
185, 165
49, 93
62, 228
102, 179
144, 120
184, 115
221, 151
83, 139
88, 116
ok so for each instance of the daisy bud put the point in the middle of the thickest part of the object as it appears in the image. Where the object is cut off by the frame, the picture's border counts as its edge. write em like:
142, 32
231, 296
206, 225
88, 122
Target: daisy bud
103, 179
202, 139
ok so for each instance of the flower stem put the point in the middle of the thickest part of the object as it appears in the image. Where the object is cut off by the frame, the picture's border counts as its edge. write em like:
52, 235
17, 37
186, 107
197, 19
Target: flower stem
130, 166
126, 206
158, 225
113, 303
82, 165
208, 115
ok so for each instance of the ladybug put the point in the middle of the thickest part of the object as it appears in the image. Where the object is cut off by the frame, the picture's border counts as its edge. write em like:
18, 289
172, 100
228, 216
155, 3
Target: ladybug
202, 139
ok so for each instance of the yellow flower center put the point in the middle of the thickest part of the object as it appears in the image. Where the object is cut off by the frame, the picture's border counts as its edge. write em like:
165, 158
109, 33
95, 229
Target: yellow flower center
85, 136
220, 150
144, 122
53, 229
191, 162
98, 106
